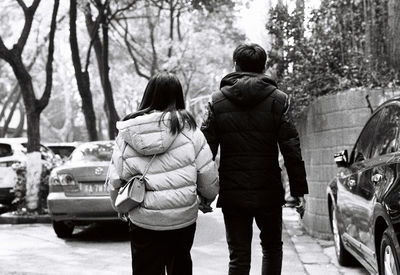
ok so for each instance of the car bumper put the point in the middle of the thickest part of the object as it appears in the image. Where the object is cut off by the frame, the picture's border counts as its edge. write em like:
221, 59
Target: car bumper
62, 207
6, 196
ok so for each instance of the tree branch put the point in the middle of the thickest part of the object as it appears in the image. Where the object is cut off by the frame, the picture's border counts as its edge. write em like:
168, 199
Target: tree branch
22, 5
117, 18
127, 36
19, 130
93, 28
11, 114
127, 7
8, 100
44, 100
132, 55
158, 4
5, 53
29, 13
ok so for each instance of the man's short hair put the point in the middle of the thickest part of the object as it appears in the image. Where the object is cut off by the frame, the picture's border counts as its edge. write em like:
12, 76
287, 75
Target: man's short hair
250, 58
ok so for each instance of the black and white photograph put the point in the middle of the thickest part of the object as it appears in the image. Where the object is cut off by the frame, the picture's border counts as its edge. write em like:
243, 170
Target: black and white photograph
200, 137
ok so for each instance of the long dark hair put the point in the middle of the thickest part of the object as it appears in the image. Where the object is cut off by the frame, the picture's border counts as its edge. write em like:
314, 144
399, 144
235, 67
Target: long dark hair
164, 93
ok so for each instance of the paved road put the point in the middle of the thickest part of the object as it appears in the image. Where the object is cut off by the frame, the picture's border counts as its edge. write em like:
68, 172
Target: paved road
104, 249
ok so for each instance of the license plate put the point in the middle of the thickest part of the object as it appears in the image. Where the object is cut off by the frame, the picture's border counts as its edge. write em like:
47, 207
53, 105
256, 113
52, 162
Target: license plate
95, 189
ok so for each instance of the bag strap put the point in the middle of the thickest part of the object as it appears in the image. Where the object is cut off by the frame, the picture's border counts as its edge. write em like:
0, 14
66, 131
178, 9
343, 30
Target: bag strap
148, 166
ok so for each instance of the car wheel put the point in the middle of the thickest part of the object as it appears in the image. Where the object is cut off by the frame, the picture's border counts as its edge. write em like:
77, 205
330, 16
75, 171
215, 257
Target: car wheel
388, 259
343, 256
63, 229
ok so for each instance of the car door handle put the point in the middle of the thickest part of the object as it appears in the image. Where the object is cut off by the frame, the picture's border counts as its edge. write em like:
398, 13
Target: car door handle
376, 178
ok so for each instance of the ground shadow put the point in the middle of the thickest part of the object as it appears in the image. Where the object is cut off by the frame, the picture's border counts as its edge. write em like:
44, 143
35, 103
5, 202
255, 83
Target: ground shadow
101, 232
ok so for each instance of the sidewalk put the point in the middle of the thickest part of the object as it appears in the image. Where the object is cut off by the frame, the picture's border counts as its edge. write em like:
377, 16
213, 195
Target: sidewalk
309, 255
96, 250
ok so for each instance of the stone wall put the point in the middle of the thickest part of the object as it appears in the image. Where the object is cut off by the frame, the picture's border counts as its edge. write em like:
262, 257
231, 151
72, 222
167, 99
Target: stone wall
332, 123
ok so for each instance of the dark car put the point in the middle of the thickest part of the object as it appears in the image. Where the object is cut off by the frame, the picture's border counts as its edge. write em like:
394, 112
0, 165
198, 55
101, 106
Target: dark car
364, 197
77, 193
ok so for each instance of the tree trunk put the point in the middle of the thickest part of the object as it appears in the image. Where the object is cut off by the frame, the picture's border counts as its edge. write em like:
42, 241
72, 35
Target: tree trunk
82, 78
299, 32
101, 51
28, 95
108, 94
33, 164
367, 22
171, 26
374, 33
394, 33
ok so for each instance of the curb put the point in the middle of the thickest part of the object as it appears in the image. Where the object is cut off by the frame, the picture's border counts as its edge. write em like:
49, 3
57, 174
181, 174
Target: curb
9, 218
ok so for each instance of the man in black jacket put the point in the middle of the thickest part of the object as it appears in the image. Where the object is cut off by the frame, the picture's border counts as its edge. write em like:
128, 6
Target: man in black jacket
247, 119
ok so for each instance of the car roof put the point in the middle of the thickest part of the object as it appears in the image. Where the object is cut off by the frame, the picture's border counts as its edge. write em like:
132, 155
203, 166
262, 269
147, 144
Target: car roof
14, 140
97, 142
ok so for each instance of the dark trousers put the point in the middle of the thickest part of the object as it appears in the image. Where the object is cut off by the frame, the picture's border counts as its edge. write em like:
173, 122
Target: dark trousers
239, 232
154, 252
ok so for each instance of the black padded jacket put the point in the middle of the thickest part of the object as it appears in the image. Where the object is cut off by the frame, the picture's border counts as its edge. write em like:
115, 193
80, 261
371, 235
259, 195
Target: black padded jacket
247, 119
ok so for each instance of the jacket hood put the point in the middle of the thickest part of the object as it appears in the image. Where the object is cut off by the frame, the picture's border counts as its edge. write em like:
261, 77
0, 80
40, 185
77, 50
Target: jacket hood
245, 88
148, 134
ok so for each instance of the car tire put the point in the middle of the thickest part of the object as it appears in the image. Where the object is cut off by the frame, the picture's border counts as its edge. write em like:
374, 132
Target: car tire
63, 229
388, 263
343, 256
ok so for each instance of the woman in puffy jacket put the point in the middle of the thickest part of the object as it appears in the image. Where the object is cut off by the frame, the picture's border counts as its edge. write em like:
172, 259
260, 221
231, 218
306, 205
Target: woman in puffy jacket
162, 228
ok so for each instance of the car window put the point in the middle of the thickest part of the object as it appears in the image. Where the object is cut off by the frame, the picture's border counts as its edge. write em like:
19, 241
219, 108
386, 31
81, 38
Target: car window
93, 152
362, 148
386, 139
63, 151
5, 150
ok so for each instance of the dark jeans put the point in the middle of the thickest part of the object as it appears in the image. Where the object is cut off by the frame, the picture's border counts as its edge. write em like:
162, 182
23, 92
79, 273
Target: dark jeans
239, 232
154, 252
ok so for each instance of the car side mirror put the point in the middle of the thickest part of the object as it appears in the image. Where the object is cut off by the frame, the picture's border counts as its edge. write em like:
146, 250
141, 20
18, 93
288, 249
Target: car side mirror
342, 159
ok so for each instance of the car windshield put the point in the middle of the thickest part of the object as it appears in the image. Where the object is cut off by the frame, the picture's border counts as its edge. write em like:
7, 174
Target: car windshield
93, 152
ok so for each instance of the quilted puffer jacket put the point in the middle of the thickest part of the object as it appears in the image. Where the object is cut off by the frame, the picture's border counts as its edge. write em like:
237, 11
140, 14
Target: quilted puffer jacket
182, 168
247, 120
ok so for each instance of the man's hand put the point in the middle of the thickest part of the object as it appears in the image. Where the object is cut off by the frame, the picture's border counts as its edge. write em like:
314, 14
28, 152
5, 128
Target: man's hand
301, 206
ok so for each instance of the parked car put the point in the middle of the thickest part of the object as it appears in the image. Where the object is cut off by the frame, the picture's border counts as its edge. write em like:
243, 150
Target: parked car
364, 197
13, 151
63, 149
77, 193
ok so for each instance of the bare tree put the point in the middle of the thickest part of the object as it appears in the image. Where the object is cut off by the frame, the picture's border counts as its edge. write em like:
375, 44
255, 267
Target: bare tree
14, 97
33, 106
101, 49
